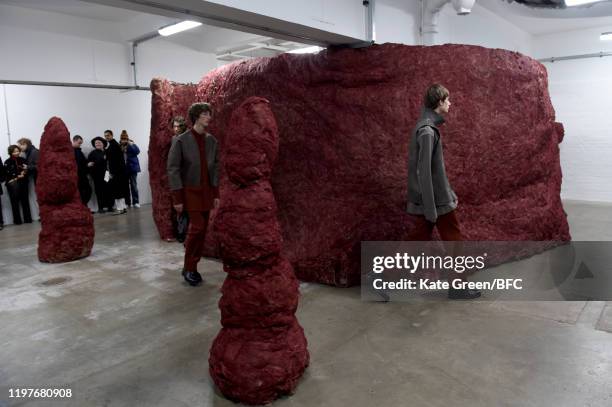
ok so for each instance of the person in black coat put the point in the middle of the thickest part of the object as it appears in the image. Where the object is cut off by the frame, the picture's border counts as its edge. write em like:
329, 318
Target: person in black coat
118, 185
17, 185
97, 168
84, 187
31, 154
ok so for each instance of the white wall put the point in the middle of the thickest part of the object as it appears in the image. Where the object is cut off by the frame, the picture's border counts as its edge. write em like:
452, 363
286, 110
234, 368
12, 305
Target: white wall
87, 112
481, 27
31, 54
581, 92
397, 21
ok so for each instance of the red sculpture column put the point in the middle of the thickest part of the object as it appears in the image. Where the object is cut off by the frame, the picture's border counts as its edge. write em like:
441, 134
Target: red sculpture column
67, 231
261, 351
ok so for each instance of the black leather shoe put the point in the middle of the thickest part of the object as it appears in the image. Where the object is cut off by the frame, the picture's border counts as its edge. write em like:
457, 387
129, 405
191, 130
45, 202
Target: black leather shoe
193, 278
463, 294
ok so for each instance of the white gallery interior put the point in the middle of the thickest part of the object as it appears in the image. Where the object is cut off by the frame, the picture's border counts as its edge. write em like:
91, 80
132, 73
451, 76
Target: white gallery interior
90, 42
127, 324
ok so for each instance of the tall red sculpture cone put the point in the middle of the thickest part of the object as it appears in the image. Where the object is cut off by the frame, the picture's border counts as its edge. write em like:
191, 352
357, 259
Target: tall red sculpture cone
261, 351
67, 231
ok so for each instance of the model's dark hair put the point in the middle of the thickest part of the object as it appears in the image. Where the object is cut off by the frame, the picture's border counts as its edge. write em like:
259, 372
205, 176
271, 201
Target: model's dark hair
12, 148
435, 93
197, 109
77, 137
25, 141
181, 122
108, 131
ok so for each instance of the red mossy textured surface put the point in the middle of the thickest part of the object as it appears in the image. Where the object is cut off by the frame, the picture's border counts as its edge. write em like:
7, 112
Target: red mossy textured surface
256, 233
256, 366
67, 230
261, 351
168, 100
345, 119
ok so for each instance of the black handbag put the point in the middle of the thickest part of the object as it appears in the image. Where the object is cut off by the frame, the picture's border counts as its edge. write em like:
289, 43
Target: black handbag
182, 224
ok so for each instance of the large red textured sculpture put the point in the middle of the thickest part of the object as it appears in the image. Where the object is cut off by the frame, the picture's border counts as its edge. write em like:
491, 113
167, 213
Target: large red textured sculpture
169, 100
260, 353
345, 119
67, 231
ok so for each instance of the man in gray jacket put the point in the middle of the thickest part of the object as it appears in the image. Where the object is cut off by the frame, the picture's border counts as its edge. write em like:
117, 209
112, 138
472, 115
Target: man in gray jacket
430, 195
193, 176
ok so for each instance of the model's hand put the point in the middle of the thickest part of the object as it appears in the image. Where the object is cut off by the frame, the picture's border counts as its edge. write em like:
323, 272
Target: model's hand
178, 208
90, 164
216, 203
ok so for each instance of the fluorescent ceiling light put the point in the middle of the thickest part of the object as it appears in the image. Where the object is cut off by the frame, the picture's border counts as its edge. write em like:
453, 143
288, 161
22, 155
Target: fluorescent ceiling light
178, 27
572, 3
606, 36
307, 50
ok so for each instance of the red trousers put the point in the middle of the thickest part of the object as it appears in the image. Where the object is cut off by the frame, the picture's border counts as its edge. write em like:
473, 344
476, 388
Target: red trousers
448, 228
196, 235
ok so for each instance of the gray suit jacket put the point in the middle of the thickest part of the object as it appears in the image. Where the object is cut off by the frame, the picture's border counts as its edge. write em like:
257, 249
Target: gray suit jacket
429, 192
183, 164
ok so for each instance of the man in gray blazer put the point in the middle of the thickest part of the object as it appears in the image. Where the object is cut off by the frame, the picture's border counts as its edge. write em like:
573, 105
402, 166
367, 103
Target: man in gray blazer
430, 195
193, 176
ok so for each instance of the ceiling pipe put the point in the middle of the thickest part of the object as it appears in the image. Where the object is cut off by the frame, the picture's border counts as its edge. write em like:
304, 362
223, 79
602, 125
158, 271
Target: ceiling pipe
135, 44
430, 12
74, 85
6, 115
370, 27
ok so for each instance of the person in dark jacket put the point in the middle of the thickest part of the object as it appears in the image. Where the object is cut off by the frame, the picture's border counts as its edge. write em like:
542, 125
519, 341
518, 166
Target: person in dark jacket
193, 176
118, 185
97, 168
180, 221
2, 178
130, 153
430, 196
17, 185
31, 154
84, 187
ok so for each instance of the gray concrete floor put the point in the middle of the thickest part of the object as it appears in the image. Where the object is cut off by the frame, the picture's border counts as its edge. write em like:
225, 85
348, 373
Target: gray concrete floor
120, 329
